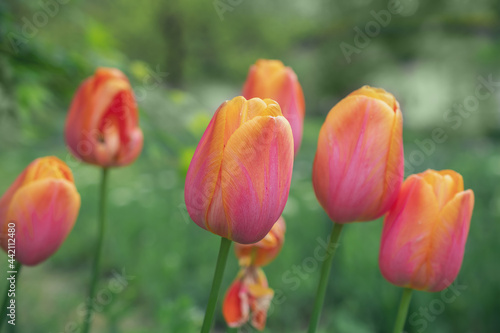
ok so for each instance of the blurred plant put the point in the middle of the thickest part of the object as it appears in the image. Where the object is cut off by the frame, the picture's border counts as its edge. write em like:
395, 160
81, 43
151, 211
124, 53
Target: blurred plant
271, 79
249, 296
37, 213
102, 129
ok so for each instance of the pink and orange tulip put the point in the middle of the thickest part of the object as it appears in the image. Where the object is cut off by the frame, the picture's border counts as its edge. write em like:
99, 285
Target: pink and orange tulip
424, 234
43, 204
359, 164
102, 126
271, 79
248, 299
238, 181
265, 250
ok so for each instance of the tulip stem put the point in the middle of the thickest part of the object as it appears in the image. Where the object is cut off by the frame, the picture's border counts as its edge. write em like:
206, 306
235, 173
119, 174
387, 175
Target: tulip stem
325, 273
225, 244
403, 310
6, 300
98, 250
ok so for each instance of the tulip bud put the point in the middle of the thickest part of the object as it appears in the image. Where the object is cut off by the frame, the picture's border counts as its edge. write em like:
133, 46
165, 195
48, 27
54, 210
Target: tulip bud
248, 299
265, 250
238, 181
102, 126
271, 79
39, 210
359, 163
424, 234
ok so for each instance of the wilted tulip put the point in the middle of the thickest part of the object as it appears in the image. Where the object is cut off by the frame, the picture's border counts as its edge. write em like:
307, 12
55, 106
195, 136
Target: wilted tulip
265, 250
271, 79
238, 181
39, 210
102, 124
424, 234
358, 168
248, 299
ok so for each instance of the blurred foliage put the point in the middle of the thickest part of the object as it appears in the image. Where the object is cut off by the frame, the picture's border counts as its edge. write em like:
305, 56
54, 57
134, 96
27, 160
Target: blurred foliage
184, 58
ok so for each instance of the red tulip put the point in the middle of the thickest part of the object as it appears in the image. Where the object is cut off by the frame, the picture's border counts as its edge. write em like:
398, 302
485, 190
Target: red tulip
39, 209
271, 79
102, 125
248, 299
358, 168
238, 181
424, 233
265, 250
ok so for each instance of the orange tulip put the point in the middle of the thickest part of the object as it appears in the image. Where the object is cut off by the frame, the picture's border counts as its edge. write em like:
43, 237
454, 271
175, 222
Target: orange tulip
238, 181
424, 233
358, 168
102, 125
40, 209
265, 250
271, 79
248, 299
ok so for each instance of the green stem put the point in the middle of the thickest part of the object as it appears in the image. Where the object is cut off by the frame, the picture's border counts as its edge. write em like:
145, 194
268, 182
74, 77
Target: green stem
225, 244
232, 330
98, 250
403, 310
6, 300
325, 272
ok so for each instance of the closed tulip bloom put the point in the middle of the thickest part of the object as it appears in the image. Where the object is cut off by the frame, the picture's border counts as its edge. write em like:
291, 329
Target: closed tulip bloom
271, 79
248, 299
265, 250
238, 181
43, 204
424, 234
102, 127
359, 164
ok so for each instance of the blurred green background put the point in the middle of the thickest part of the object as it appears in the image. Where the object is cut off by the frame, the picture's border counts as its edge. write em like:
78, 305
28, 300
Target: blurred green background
184, 58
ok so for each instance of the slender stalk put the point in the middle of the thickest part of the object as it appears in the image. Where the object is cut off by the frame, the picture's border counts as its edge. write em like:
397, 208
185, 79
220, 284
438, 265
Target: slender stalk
325, 273
98, 250
6, 299
232, 330
225, 244
403, 310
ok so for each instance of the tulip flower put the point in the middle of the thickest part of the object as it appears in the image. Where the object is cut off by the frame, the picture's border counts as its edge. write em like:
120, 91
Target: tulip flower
424, 234
248, 299
359, 164
102, 128
265, 250
271, 79
102, 124
40, 209
238, 181
358, 168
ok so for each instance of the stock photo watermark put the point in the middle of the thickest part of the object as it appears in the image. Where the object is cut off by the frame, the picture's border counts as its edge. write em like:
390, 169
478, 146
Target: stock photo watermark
12, 271
116, 285
293, 277
455, 117
223, 6
31, 25
381, 19
420, 319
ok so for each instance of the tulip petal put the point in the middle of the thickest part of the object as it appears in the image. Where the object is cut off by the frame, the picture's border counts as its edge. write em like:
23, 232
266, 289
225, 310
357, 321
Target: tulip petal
407, 233
448, 241
256, 199
44, 212
233, 309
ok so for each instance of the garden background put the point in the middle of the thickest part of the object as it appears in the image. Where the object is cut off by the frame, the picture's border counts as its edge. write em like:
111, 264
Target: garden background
184, 58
